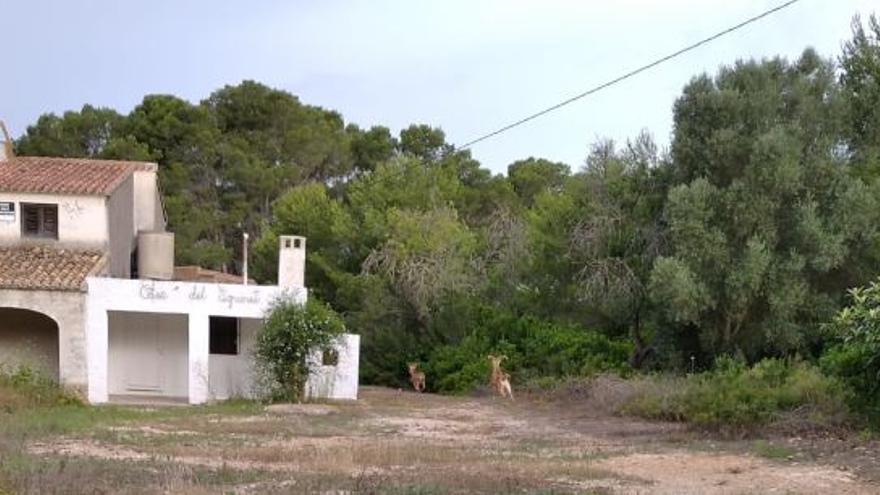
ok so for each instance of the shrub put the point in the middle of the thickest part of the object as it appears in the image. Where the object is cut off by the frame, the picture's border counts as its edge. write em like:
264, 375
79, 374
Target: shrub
855, 357
535, 348
23, 387
650, 396
736, 396
291, 334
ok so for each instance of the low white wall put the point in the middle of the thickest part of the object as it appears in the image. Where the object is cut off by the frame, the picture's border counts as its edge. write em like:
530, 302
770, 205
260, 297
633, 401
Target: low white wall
340, 381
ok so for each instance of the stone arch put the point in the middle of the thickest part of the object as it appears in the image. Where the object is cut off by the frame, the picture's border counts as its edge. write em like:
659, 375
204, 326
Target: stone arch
29, 338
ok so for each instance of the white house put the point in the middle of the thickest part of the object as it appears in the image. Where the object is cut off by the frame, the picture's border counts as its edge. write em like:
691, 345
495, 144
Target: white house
89, 293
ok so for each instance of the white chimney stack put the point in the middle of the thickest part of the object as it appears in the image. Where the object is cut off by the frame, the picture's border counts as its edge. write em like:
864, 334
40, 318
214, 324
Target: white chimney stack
292, 261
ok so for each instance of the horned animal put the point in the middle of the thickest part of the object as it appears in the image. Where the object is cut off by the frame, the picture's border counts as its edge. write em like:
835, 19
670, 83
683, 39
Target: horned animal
499, 380
416, 377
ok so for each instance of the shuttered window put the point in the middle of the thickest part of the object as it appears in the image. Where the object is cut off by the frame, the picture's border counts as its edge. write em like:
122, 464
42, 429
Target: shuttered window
39, 220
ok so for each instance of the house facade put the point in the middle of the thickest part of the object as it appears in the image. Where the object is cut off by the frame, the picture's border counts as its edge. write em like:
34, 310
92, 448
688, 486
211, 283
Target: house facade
89, 293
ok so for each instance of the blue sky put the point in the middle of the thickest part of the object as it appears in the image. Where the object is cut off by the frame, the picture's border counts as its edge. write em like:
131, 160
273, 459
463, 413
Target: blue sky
466, 66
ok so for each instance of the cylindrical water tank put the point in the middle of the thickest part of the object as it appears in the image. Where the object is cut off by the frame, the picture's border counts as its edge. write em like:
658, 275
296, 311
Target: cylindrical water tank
155, 255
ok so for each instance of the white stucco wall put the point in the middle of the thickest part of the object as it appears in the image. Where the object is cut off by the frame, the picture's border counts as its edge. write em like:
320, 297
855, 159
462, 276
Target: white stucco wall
339, 381
96, 222
121, 228
68, 311
82, 220
233, 375
207, 376
198, 301
148, 212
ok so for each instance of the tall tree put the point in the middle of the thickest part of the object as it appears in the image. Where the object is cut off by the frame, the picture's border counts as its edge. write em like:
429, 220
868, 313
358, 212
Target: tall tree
427, 256
186, 143
860, 78
614, 245
84, 133
371, 147
425, 142
766, 217
532, 176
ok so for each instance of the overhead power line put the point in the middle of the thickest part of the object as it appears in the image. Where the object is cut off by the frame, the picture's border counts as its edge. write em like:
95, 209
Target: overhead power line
630, 74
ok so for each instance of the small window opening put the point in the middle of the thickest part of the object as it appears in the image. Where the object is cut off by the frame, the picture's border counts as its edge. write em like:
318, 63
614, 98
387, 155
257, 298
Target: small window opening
224, 335
39, 220
287, 243
296, 243
330, 357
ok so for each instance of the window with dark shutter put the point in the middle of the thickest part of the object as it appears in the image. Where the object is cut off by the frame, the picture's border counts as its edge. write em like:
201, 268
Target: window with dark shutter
50, 221
223, 335
31, 219
39, 220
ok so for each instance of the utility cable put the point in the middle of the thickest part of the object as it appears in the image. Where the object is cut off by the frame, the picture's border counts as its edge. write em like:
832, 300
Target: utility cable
630, 74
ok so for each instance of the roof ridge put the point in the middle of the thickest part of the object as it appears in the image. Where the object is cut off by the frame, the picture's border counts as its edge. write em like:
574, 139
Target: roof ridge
81, 158
58, 175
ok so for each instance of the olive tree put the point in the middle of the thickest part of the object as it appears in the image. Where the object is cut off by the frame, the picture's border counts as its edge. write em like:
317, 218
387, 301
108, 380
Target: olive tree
766, 221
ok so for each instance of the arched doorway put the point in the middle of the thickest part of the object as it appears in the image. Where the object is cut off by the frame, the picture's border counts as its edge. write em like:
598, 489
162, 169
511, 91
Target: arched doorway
29, 338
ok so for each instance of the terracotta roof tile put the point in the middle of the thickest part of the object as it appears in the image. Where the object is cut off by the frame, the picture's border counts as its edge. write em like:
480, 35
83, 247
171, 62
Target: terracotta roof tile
43, 268
192, 273
35, 174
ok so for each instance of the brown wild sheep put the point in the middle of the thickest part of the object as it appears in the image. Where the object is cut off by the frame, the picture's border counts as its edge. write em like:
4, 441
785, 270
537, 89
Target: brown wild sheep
499, 380
416, 377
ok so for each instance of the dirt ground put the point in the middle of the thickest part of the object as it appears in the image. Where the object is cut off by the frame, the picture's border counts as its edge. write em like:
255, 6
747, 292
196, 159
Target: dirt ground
402, 442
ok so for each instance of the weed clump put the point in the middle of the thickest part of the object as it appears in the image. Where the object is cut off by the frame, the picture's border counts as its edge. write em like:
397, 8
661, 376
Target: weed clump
23, 388
734, 395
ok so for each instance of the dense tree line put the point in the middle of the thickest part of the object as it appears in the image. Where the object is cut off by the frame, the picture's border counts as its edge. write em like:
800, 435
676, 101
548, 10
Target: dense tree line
741, 237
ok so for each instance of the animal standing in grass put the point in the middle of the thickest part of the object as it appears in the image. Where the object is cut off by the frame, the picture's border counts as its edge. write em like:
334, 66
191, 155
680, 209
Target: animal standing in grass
500, 380
416, 377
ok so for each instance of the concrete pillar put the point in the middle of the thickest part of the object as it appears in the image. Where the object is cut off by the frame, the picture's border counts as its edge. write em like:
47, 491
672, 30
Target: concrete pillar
199, 349
72, 348
97, 330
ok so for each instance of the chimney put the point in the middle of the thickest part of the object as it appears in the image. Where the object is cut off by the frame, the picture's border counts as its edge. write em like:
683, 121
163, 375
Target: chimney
292, 261
5, 150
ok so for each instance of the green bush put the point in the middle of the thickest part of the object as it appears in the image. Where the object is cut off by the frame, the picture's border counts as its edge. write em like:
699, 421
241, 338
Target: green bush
535, 348
291, 334
737, 396
660, 396
23, 387
855, 357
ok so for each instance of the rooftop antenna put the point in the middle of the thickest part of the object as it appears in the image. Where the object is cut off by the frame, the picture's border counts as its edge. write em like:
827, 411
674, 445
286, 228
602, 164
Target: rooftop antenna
244, 274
